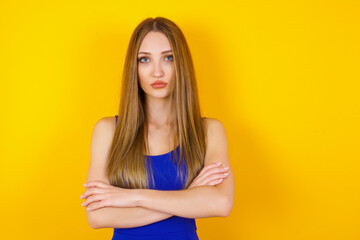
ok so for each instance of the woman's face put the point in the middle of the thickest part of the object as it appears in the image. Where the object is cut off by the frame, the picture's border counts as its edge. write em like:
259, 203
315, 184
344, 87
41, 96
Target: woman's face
156, 63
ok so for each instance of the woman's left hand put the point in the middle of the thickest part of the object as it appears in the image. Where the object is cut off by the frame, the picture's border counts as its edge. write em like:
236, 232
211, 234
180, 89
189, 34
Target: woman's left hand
106, 195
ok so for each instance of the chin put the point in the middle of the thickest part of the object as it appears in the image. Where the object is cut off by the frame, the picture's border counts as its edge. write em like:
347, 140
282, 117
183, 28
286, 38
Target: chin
164, 95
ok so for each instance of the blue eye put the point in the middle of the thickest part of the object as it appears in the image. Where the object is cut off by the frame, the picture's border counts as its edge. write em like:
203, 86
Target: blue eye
171, 56
142, 58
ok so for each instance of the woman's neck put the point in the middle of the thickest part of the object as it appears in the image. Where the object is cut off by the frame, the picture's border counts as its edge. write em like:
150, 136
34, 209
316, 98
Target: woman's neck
158, 112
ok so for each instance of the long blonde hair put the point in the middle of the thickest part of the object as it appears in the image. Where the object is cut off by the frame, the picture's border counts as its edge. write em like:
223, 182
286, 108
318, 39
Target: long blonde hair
127, 164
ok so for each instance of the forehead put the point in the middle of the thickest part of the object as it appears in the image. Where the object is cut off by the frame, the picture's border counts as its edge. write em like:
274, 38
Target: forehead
155, 43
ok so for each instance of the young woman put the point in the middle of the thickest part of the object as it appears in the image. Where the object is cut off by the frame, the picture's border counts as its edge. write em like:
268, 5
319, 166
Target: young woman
157, 165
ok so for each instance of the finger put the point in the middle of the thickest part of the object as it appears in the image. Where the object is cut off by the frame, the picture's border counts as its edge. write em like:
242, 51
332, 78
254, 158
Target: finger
204, 169
104, 202
97, 205
216, 182
206, 181
210, 166
201, 176
93, 198
213, 182
96, 183
205, 172
210, 172
92, 191
212, 169
215, 177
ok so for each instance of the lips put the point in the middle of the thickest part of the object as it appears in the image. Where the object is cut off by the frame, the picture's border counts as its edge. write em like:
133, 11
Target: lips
158, 82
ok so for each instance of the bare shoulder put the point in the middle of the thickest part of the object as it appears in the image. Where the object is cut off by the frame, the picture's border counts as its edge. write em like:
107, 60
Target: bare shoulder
102, 134
101, 140
217, 143
215, 130
105, 124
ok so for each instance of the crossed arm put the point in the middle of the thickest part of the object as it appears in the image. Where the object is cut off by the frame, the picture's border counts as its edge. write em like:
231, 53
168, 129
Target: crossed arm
154, 205
150, 205
129, 217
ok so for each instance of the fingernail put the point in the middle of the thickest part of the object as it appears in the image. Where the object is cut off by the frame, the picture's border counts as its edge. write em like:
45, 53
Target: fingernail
81, 196
82, 204
218, 163
84, 184
225, 174
226, 168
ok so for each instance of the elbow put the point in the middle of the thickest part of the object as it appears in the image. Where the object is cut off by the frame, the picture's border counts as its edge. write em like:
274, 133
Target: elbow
227, 204
93, 221
93, 224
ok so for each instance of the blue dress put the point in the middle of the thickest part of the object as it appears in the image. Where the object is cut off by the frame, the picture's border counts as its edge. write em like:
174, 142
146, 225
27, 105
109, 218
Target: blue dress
173, 228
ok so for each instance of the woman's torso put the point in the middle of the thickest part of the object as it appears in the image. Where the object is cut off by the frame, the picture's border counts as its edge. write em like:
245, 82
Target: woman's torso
166, 179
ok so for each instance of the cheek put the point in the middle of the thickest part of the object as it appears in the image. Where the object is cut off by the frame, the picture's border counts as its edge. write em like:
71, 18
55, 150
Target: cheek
170, 71
142, 74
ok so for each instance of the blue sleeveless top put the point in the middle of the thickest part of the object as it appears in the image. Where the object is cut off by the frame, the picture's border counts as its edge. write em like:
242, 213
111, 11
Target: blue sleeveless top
173, 228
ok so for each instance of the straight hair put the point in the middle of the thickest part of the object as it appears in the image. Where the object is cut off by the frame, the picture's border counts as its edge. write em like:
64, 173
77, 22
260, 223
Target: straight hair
127, 164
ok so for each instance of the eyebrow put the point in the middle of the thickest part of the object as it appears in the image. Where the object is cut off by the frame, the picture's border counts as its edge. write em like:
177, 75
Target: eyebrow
161, 52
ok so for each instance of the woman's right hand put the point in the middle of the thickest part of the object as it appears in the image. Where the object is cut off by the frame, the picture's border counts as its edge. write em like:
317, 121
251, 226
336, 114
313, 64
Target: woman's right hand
211, 175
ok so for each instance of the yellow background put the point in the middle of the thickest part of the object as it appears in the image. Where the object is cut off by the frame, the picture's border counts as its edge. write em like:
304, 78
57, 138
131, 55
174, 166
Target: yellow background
282, 76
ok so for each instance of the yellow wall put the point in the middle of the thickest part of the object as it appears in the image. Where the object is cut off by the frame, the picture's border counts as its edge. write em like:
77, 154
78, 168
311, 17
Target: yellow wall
283, 77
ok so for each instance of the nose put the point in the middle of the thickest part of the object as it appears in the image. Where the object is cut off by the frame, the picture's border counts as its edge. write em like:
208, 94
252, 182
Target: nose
158, 71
